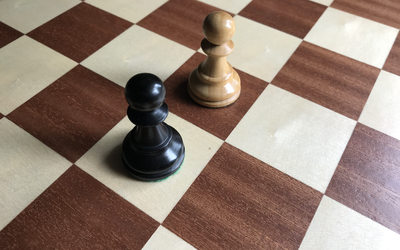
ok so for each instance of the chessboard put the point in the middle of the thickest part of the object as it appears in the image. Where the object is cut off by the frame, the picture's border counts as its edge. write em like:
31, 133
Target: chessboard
308, 157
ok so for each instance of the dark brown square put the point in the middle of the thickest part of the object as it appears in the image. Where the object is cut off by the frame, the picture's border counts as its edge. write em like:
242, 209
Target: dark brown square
180, 21
383, 11
295, 17
219, 122
8, 34
239, 202
368, 177
73, 113
329, 79
78, 212
392, 63
80, 31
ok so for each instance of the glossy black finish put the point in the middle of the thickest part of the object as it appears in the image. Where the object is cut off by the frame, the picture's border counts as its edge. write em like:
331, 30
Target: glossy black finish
153, 150
145, 92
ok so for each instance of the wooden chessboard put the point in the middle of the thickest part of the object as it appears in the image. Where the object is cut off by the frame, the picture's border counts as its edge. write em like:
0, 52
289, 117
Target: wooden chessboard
307, 158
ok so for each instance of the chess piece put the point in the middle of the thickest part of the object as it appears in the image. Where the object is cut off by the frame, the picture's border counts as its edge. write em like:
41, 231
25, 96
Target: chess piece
214, 83
153, 150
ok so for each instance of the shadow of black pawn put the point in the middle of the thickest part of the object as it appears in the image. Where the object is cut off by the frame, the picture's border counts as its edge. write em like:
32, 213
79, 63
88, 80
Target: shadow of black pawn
153, 150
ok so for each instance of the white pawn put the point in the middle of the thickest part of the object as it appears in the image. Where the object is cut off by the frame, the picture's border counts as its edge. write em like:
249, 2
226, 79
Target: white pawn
214, 83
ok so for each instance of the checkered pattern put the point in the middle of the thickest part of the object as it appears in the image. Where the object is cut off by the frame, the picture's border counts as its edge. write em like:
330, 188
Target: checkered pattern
307, 158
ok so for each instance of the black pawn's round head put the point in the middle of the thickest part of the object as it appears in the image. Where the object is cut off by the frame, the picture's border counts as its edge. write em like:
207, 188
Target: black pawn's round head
145, 92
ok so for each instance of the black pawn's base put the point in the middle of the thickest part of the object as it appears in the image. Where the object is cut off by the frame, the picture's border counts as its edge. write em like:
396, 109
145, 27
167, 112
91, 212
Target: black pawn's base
155, 163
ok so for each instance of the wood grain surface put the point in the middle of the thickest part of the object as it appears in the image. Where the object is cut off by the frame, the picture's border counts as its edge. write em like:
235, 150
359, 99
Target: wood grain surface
78, 212
8, 34
367, 178
329, 79
73, 113
239, 202
295, 17
180, 21
383, 11
392, 63
80, 31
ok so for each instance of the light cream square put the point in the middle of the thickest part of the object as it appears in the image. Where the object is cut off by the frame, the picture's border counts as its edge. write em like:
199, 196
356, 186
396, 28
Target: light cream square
232, 6
138, 50
26, 15
166, 240
337, 227
260, 50
27, 67
353, 36
323, 2
133, 11
294, 135
382, 110
103, 161
28, 167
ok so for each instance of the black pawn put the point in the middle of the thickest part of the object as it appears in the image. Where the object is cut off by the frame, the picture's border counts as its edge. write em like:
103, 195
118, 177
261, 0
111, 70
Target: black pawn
153, 150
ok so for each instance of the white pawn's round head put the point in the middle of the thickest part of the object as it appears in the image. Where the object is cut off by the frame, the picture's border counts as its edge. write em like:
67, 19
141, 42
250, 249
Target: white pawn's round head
218, 27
